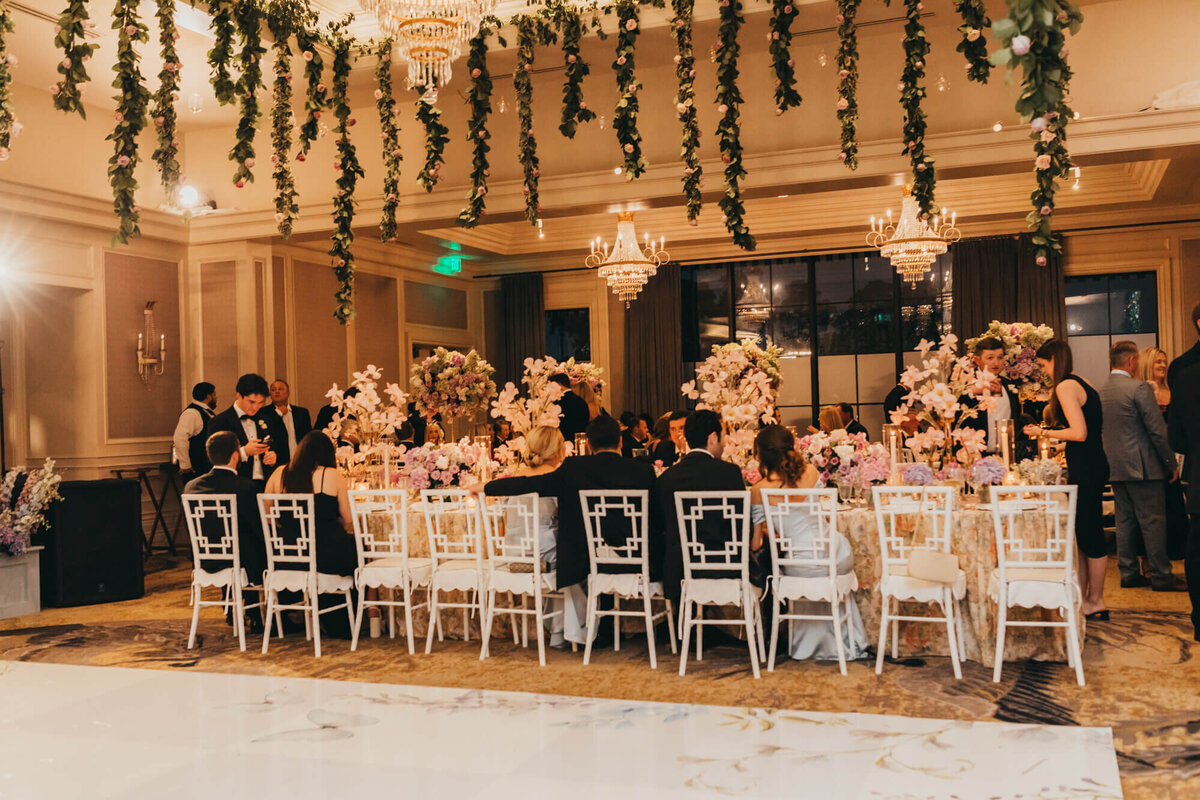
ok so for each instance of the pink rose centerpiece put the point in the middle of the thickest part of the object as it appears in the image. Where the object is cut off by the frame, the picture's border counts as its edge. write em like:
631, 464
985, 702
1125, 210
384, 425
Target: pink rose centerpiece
1021, 343
842, 457
439, 466
452, 384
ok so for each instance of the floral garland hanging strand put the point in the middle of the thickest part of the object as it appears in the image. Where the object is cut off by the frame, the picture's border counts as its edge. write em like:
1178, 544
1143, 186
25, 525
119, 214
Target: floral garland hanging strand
685, 106
69, 37
779, 41
531, 30
221, 52
349, 171
9, 126
847, 61
132, 99
436, 137
1036, 42
625, 116
249, 25
916, 49
729, 98
389, 134
316, 99
166, 155
974, 44
574, 110
280, 24
479, 101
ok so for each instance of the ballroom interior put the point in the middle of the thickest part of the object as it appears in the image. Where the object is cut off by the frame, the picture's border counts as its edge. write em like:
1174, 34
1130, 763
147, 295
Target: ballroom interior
110, 689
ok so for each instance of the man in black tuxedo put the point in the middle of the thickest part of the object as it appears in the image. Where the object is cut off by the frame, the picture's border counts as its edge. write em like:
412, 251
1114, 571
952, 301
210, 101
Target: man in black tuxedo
224, 452
1189, 358
633, 434
261, 435
296, 420
1184, 433
667, 451
989, 355
700, 470
851, 424
575, 412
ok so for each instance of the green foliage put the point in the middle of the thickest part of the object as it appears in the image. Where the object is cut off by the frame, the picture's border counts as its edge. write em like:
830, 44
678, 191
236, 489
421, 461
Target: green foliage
308, 40
974, 44
132, 99
847, 61
625, 116
532, 29
8, 120
166, 155
916, 50
729, 129
349, 171
69, 37
282, 19
574, 110
685, 106
389, 134
479, 101
436, 137
249, 16
779, 43
221, 52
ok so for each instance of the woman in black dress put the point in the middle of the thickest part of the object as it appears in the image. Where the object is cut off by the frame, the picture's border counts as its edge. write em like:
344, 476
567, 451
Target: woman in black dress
1074, 416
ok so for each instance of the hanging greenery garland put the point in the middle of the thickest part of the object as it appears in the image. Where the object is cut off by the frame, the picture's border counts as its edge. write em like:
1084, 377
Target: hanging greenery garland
280, 20
729, 98
9, 126
69, 37
625, 116
1035, 40
132, 99
916, 49
221, 52
249, 24
779, 41
316, 100
389, 135
974, 45
531, 30
685, 106
574, 110
166, 155
847, 61
479, 101
436, 137
349, 171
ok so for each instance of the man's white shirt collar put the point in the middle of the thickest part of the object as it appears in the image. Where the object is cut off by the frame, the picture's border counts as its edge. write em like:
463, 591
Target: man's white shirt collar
1122, 372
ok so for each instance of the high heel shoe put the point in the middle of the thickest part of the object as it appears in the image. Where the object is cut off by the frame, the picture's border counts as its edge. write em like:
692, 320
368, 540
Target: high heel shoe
1097, 616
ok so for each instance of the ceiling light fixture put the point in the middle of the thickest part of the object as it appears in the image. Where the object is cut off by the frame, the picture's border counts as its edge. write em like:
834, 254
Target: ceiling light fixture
430, 34
912, 244
627, 267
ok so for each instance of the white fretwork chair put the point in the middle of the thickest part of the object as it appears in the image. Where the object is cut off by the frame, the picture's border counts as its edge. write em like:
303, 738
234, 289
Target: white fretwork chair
454, 522
289, 528
381, 538
1035, 554
512, 527
915, 518
212, 523
808, 571
717, 573
617, 524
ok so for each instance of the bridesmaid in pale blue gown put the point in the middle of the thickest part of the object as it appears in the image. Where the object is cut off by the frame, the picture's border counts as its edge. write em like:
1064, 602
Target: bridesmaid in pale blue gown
782, 467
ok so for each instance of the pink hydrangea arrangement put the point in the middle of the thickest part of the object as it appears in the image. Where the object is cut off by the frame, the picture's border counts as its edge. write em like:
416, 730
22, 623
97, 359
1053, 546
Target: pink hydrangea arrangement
438, 466
452, 384
916, 474
845, 457
988, 471
1021, 343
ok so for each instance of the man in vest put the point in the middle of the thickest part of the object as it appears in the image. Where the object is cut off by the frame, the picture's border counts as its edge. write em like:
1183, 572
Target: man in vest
191, 431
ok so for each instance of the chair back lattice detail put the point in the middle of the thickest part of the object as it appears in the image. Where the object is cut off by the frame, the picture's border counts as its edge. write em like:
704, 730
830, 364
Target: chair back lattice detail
726, 509
608, 510
453, 521
913, 518
380, 523
817, 552
212, 527
512, 526
1035, 528
289, 527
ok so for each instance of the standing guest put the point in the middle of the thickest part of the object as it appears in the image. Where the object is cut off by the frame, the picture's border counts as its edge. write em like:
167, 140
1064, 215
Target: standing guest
574, 411
1185, 439
1139, 460
849, 422
325, 413
588, 395
700, 470
261, 436
191, 431
1189, 358
668, 450
1076, 417
1153, 369
830, 419
989, 356
295, 419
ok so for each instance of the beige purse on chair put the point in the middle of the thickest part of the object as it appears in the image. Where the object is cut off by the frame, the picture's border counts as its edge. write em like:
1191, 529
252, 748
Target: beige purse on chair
933, 565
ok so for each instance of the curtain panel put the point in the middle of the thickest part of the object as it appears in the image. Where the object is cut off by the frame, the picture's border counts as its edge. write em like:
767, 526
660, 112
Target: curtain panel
996, 278
654, 345
522, 323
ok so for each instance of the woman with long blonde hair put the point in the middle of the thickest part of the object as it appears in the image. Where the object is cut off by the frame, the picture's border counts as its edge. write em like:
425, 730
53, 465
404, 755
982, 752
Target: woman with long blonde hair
830, 419
589, 396
1152, 368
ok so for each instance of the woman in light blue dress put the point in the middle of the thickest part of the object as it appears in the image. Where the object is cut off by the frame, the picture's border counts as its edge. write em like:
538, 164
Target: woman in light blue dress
782, 467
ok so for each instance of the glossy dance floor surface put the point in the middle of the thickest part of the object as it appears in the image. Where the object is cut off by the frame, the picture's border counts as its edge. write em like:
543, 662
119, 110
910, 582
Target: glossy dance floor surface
106, 732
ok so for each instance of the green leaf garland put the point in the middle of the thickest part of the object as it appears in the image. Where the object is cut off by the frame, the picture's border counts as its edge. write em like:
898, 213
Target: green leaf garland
574, 110
685, 106
249, 25
479, 101
916, 49
974, 45
779, 39
316, 97
69, 37
531, 30
436, 137
221, 52
349, 171
280, 21
847, 61
166, 155
8, 119
625, 116
729, 97
132, 99
389, 135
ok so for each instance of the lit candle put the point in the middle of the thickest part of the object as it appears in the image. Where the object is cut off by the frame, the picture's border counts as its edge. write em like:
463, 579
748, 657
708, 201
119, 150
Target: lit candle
139, 344
1043, 447
162, 343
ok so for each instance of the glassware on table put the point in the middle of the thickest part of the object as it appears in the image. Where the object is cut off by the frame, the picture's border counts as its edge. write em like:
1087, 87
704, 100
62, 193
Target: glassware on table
581, 445
641, 452
845, 491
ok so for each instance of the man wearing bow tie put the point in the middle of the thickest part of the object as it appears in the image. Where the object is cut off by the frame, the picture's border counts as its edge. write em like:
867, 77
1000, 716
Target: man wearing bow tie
261, 435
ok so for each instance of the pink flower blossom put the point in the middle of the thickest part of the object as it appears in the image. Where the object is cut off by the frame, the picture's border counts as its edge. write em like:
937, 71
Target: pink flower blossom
1020, 45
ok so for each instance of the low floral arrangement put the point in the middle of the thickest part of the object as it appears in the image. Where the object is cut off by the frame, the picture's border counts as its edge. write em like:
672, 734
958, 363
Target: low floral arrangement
989, 471
452, 384
1021, 343
366, 416
916, 474
19, 519
842, 457
438, 466
1040, 471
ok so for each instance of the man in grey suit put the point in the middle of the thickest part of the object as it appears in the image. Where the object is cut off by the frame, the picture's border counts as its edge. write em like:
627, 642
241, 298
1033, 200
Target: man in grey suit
1139, 459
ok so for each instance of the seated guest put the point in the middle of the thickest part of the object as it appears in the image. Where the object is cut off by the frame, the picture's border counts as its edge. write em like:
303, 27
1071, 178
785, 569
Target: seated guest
989, 355
851, 424
434, 434
501, 432
830, 419
295, 419
191, 432
633, 434
223, 451
313, 470
784, 468
700, 470
660, 431
575, 414
668, 450
261, 435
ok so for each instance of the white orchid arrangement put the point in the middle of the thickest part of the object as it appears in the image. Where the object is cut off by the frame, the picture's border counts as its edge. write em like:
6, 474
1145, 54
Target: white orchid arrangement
366, 416
539, 406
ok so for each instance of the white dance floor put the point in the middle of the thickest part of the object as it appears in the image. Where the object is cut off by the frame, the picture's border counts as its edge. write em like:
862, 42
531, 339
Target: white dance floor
100, 732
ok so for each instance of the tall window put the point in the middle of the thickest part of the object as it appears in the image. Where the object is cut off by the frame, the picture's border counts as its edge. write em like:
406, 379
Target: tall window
846, 324
569, 334
1103, 309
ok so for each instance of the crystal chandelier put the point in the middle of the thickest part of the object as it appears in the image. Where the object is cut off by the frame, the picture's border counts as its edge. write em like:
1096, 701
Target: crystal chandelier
912, 244
628, 266
430, 34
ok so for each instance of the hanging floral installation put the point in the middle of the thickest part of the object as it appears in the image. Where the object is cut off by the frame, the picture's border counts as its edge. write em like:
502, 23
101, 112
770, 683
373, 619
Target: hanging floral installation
249, 26
69, 37
166, 155
574, 109
221, 52
531, 30
349, 171
729, 98
130, 117
916, 49
625, 116
974, 44
847, 61
389, 135
479, 101
779, 43
281, 18
685, 106
9, 126
436, 137
1035, 40
316, 99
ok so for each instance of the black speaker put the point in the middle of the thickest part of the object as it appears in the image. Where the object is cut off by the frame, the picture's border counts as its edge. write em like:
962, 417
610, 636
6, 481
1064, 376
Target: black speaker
93, 544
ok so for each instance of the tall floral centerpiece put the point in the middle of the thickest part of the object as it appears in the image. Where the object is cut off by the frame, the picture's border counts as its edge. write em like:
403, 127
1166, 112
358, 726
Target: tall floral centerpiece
452, 384
739, 381
369, 419
1021, 342
21, 516
538, 407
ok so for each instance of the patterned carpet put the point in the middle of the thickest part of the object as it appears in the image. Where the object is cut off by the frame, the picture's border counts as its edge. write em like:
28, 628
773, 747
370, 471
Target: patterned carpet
1142, 678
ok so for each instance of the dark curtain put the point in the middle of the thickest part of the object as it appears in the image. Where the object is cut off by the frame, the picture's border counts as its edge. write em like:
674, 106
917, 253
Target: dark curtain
523, 322
653, 345
996, 278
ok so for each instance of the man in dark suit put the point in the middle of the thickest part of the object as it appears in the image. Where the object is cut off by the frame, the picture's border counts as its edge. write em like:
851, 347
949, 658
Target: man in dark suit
701, 469
1184, 431
633, 433
851, 424
575, 412
224, 452
261, 436
668, 450
1189, 358
989, 355
296, 421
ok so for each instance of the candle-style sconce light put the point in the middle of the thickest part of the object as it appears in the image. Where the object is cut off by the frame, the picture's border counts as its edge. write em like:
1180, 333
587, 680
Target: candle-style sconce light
151, 347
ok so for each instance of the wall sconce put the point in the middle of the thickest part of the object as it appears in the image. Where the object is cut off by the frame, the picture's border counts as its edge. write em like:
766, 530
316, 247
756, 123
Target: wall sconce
150, 360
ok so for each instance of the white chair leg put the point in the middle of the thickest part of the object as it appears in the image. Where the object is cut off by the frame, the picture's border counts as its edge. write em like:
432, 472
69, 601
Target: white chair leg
356, 624
540, 623
433, 620
758, 623
591, 625
1073, 643
774, 636
948, 610
685, 628
195, 616
466, 622
835, 608
649, 630
489, 614
751, 633
616, 624
1001, 620
670, 624
697, 621
958, 629
512, 620
524, 621
308, 618
408, 615
239, 616
883, 632
895, 630
269, 617
314, 614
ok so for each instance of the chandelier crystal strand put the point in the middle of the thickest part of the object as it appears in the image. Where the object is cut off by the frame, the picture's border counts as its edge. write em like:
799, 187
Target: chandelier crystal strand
430, 34
628, 266
912, 244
